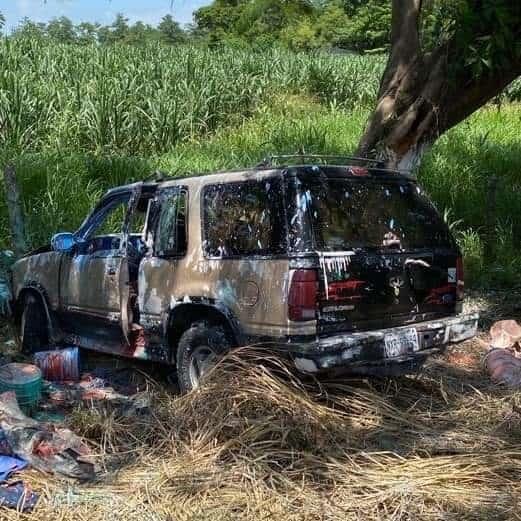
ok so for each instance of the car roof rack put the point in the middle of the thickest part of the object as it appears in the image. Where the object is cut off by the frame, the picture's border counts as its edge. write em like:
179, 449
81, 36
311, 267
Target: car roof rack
157, 176
269, 160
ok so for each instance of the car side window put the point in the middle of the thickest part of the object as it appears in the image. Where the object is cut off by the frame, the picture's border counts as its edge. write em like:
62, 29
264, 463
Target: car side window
103, 230
171, 232
244, 218
107, 219
113, 220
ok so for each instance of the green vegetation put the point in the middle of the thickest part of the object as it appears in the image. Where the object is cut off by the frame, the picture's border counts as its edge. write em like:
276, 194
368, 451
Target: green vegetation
62, 30
145, 100
77, 120
302, 24
357, 25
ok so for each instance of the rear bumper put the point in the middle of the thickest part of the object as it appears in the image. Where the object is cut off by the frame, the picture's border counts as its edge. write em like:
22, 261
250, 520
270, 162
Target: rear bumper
365, 353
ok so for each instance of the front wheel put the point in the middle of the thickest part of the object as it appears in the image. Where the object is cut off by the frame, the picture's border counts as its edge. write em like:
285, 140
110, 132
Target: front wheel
199, 348
34, 334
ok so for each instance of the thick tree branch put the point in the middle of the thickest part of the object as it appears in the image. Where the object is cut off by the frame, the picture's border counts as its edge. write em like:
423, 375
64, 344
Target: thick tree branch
424, 94
405, 38
400, 73
463, 102
405, 41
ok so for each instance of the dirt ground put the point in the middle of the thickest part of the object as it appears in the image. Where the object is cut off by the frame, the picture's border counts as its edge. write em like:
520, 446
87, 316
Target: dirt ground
257, 443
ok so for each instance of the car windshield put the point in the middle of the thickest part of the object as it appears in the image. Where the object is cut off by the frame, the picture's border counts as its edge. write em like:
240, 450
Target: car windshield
343, 214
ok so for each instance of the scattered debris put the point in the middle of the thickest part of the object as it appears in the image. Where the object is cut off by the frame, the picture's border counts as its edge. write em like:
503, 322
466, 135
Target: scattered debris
503, 367
502, 361
68, 395
124, 380
25, 380
10, 464
49, 415
59, 365
505, 334
43, 445
19, 496
464, 360
42, 441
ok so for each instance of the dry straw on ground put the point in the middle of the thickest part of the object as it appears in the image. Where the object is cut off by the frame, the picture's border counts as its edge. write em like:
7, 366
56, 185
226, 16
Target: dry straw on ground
257, 443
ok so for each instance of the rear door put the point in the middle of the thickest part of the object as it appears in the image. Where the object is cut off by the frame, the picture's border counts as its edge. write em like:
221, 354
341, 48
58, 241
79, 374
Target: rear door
386, 257
365, 290
158, 273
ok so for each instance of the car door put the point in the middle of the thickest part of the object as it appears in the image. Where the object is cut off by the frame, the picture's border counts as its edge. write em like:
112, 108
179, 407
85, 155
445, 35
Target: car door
158, 272
95, 277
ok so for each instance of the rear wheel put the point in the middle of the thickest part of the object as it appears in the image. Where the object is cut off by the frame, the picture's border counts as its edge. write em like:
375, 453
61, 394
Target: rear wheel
199, 348
34, 334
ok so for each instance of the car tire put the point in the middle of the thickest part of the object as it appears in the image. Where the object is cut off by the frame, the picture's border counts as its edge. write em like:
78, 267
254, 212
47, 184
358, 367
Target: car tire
34, 333
199, 347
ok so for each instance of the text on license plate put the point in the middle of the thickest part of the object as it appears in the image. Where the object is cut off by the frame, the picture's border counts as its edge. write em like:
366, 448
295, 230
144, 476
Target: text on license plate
401, 343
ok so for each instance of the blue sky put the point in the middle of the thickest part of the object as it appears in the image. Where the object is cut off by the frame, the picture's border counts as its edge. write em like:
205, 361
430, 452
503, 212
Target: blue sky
103, 11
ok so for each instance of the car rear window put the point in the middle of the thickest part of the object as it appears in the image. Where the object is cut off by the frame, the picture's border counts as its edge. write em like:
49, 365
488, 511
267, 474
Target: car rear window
244, 218
365, 213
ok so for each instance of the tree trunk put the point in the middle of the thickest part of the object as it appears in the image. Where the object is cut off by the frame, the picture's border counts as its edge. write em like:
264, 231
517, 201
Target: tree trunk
419, 98
15, 211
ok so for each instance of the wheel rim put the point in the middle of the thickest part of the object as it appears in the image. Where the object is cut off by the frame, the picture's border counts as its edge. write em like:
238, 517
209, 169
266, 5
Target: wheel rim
200, 361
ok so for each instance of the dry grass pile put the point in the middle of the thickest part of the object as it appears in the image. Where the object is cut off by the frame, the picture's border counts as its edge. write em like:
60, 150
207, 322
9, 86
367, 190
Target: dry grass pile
257, 443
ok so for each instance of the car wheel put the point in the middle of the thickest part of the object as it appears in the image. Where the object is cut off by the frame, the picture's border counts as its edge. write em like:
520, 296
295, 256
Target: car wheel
199, 348
34, 334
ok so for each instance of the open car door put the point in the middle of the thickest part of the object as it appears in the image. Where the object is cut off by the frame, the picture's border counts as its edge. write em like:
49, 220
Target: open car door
94, 282
124, 268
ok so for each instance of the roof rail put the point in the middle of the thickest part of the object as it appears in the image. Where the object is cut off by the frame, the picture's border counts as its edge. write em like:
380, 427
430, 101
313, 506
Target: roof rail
158, 176
268, 161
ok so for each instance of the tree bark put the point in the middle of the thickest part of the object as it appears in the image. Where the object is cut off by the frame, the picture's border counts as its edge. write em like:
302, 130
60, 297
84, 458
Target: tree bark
418, 98
15, 211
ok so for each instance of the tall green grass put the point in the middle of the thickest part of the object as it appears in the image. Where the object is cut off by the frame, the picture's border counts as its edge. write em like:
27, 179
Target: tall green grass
459, 173
78, 120
145, 100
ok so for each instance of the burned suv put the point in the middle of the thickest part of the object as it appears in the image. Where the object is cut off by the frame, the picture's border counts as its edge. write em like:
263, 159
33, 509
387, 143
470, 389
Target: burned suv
341, 268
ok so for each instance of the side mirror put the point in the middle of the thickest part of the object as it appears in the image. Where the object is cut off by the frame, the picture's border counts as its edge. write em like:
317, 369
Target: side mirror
63, 241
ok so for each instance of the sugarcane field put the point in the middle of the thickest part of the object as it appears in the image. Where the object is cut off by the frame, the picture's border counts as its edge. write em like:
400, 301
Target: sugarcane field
259, 259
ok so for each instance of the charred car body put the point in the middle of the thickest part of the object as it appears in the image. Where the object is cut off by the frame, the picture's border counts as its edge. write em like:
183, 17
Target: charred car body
342, 268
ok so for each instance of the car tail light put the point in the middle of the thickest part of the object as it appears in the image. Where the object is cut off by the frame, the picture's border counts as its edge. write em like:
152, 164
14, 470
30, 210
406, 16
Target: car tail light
460, 281
303, 295
358, 171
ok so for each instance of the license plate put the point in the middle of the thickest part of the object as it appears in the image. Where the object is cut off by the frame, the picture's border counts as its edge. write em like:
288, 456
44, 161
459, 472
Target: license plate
401, 343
